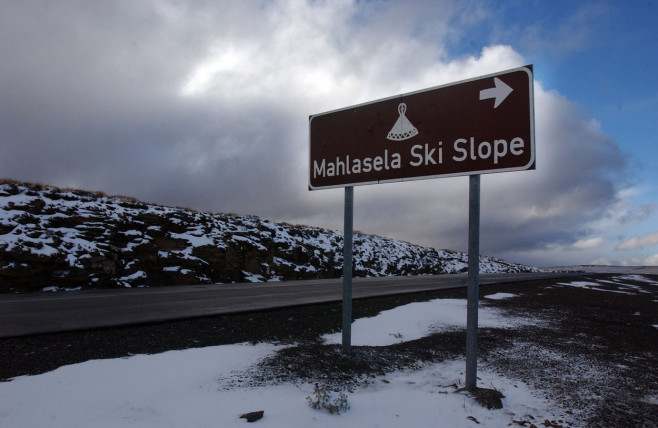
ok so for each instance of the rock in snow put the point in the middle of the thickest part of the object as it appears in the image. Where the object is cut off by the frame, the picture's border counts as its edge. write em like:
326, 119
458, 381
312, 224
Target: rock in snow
53, 239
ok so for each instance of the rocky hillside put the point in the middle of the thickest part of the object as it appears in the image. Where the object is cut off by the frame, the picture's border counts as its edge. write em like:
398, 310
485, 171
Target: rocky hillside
53, 238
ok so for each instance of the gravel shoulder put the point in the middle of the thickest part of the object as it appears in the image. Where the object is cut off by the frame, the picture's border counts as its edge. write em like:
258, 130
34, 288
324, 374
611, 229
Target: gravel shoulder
592, 351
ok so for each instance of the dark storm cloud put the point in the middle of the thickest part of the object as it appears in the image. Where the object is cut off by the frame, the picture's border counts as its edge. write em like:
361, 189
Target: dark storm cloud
93, 91
206, 105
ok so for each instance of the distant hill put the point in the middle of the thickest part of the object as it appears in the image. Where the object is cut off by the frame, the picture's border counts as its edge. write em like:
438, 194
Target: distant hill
53, 238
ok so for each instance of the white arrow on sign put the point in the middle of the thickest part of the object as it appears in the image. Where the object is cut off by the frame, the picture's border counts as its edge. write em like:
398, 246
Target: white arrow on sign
499, 92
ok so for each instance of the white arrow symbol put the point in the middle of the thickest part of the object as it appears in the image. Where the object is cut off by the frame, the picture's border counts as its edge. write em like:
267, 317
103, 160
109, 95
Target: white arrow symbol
500, 92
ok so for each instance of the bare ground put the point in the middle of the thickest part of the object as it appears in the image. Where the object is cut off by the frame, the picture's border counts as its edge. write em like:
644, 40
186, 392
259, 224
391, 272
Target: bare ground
593, 351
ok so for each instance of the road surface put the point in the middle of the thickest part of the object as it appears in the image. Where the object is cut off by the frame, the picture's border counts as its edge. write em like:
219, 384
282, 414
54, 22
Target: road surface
35, 313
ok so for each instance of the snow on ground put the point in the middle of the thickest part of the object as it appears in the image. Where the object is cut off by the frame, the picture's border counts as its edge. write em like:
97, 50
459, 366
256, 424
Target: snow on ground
180, 389
618, 282
192, 387
647, 270
398, 325
499, 296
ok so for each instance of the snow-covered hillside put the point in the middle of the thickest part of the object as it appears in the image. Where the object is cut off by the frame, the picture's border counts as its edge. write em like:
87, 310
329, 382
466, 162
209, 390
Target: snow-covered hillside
57, 238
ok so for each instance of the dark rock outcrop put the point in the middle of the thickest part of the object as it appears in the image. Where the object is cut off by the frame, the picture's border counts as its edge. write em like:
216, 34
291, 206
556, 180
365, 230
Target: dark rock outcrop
53, 238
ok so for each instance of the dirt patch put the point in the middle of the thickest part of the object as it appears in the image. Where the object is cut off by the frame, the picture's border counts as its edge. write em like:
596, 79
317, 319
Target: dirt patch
488, 397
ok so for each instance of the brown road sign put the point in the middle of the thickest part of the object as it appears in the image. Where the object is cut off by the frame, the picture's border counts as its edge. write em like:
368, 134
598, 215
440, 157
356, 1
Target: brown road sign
476, 126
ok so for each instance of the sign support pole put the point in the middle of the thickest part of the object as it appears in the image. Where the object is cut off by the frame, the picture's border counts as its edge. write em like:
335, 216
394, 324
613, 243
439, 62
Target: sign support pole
473, 281
347, 270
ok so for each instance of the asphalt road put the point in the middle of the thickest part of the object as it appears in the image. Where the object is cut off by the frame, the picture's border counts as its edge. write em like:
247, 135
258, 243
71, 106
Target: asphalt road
35, 313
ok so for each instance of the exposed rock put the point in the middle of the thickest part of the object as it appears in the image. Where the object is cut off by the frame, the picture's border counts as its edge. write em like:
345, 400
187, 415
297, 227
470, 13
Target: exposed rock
253, 416
51, 237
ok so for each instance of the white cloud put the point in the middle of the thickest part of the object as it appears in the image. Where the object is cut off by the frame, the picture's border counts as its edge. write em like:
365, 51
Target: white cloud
639, 242
588, 244
651, 260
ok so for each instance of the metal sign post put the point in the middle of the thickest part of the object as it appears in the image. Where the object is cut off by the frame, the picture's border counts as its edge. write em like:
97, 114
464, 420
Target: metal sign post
473, 281
476, 126
347, 270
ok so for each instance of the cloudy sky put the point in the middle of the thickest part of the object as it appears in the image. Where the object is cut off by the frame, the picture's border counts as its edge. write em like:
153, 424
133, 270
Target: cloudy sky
205, 104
